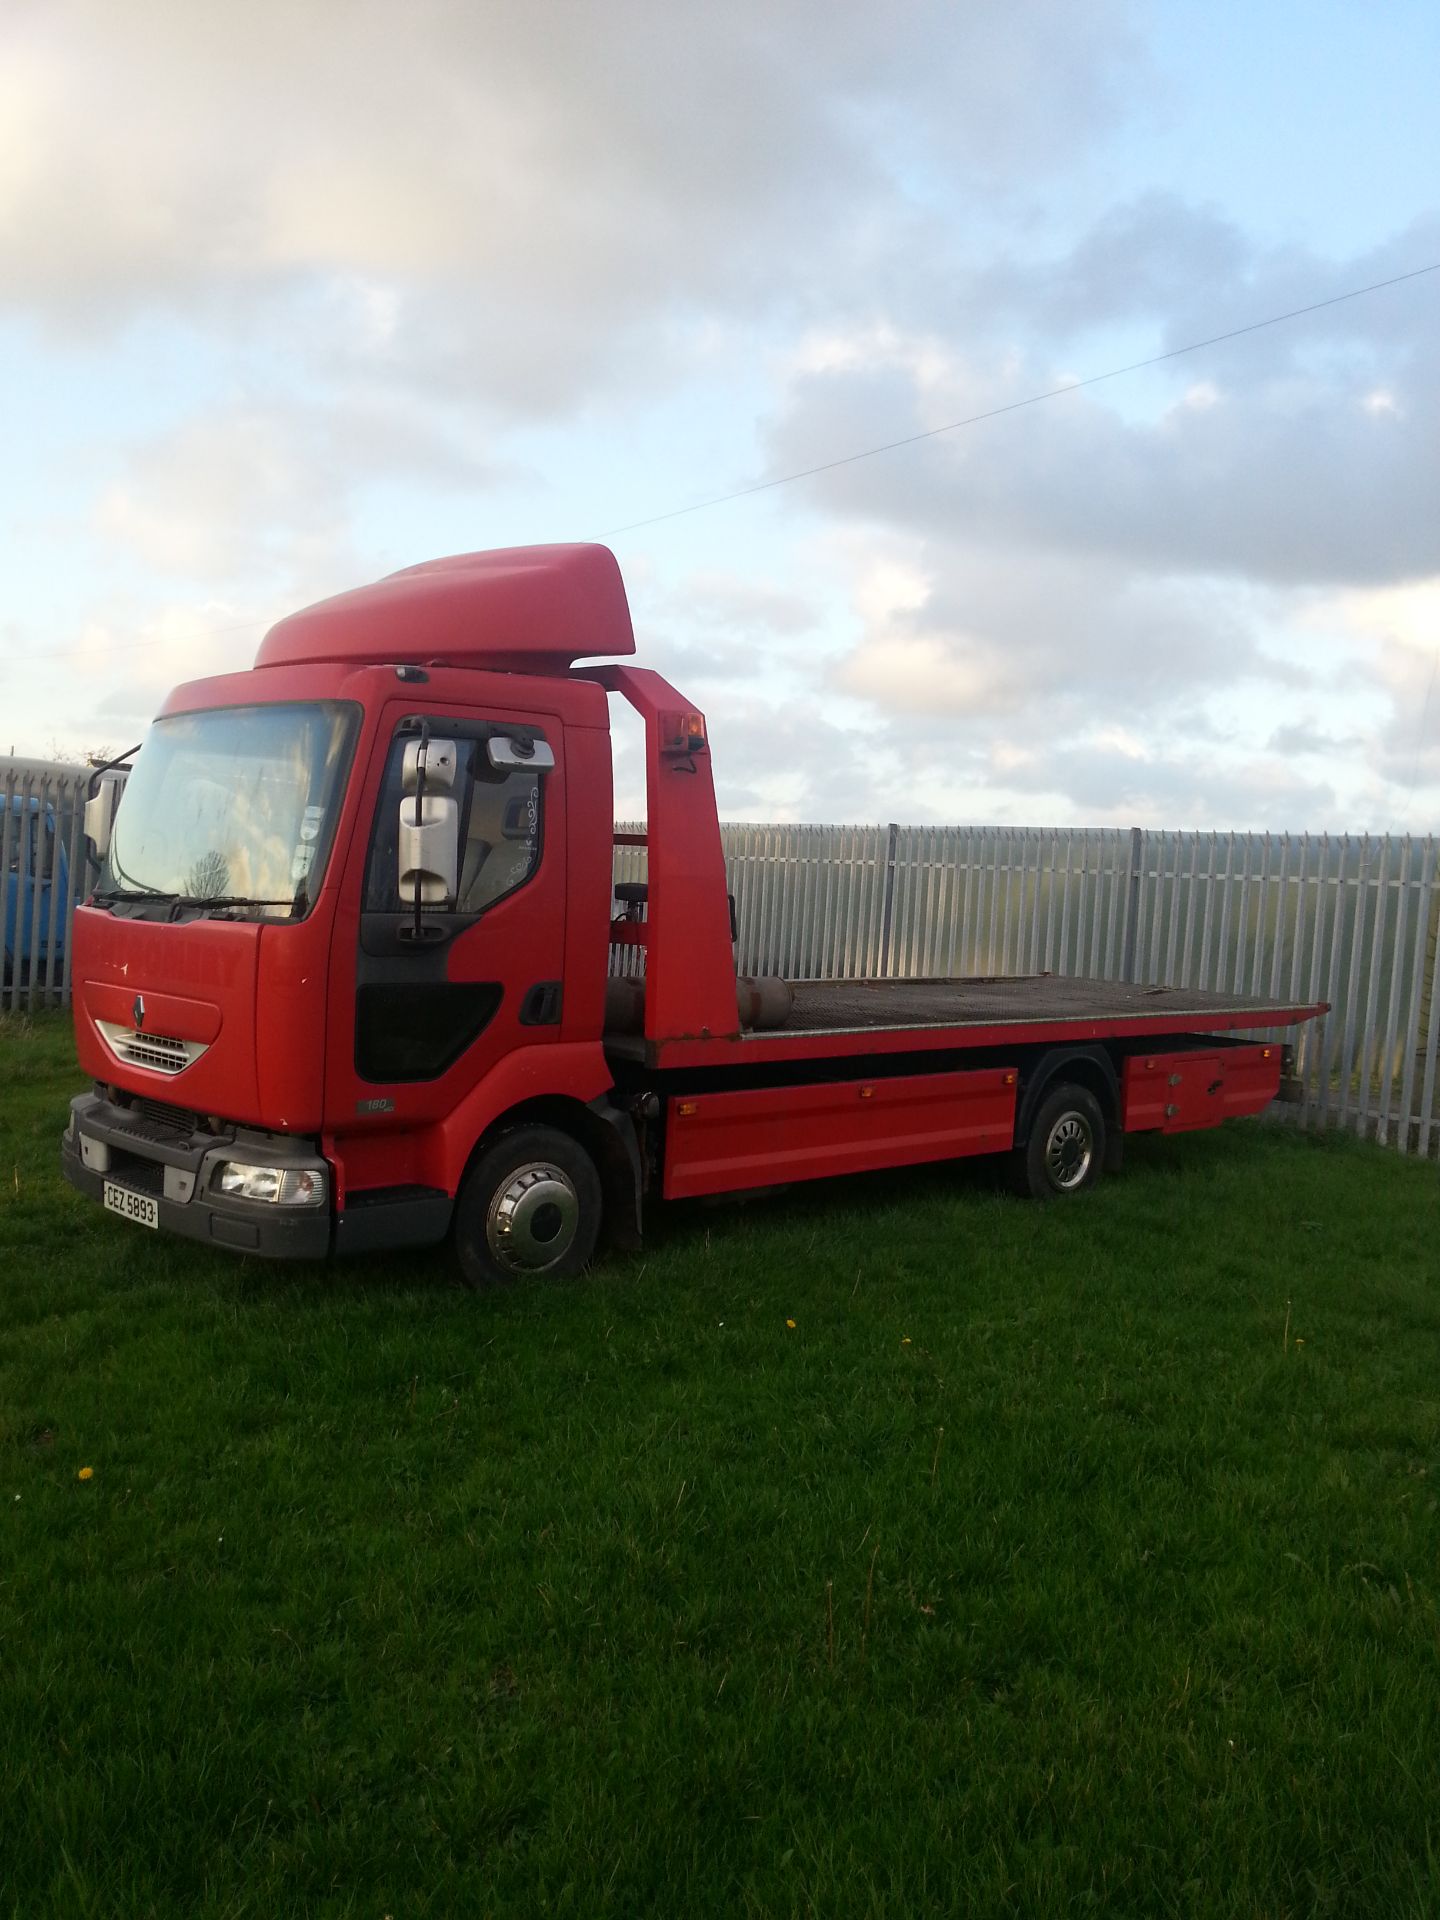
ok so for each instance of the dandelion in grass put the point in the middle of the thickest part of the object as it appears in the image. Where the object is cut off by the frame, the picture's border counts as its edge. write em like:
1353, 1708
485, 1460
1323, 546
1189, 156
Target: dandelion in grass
904, 1339
86, 1473
791, 1325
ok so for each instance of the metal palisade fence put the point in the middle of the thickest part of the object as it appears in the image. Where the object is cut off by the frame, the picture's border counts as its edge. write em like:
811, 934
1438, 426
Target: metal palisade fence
1350, 919
1345, 918
44, 869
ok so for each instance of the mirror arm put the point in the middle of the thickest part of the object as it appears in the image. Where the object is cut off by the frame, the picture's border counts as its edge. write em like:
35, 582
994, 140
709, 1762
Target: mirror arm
92, 786
420, 812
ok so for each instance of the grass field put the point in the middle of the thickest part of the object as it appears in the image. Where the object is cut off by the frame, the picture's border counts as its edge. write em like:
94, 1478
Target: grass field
1080, 1560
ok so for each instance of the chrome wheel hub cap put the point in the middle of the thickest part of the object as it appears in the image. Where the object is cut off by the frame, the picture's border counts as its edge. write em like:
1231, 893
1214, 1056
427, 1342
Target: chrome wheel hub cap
533, 1219
1069, 1151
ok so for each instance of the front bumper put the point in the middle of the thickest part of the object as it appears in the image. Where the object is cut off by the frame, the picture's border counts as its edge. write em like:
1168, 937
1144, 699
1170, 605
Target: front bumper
176, 1168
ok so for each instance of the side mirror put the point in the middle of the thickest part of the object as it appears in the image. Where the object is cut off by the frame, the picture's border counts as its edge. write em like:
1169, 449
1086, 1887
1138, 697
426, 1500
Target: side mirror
429, 842
100, 815
505, 750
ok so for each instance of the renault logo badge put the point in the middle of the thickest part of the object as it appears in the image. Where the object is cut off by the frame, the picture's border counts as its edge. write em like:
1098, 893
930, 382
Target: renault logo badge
139, 1011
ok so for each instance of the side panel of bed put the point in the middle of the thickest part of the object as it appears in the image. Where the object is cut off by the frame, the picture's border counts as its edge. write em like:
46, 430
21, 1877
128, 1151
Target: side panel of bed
725, 1142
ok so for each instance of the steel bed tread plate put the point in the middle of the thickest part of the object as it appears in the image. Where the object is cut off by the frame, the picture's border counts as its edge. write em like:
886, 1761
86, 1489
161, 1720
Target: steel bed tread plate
851, 1006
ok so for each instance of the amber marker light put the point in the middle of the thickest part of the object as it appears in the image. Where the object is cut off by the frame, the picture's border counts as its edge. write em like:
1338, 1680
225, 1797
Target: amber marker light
682, 732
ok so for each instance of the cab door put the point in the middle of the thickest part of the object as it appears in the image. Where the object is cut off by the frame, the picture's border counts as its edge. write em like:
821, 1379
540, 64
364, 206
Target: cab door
424, 1006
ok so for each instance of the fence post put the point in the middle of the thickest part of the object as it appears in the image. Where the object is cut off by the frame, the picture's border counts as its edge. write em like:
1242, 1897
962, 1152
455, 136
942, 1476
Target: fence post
887, 910
9, 935
1132, 904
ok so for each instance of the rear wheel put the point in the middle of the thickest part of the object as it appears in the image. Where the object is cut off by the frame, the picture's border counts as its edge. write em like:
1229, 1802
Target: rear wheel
1065, 1152
530, 1206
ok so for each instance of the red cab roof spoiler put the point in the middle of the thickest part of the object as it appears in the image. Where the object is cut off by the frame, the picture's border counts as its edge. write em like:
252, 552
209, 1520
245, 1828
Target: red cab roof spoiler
526, 609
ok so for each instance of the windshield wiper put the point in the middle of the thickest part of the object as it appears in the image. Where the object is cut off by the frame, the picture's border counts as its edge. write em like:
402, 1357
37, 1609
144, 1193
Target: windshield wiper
204, 902
226, 900
231, 906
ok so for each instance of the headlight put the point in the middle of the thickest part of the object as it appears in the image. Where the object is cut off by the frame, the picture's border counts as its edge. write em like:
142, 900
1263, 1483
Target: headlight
286, 1186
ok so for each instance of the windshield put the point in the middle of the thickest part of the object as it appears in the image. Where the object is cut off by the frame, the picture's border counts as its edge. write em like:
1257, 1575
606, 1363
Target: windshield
234, 806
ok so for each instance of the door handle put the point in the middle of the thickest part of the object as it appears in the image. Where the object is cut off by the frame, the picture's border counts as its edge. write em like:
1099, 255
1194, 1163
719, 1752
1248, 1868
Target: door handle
541, 1005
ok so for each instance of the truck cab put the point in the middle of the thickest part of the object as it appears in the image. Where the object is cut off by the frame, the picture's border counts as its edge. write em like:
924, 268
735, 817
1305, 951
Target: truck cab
297, 1043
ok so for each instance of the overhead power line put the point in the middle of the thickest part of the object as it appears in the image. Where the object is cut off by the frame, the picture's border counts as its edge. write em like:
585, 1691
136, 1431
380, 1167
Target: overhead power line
162, 640
1014, 406
870, 453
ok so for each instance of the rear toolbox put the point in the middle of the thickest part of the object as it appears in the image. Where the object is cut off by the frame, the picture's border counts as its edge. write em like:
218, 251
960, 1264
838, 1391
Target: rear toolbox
1178, 1092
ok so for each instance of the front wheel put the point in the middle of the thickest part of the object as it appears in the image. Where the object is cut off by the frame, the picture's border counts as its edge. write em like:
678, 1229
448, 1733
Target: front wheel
1065, 1152
530, 1206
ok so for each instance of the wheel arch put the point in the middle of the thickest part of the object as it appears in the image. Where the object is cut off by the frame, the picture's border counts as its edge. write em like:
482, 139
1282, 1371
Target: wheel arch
606, 1133
1090, 1067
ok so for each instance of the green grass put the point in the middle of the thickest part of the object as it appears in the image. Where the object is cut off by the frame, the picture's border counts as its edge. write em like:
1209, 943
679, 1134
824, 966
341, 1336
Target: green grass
1038, 1570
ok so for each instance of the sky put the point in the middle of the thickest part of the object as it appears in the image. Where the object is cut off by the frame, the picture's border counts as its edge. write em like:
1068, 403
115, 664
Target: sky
293, 296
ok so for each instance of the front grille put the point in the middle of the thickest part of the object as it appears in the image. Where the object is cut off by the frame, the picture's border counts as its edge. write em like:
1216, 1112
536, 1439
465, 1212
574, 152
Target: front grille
157, 1051
154, 1050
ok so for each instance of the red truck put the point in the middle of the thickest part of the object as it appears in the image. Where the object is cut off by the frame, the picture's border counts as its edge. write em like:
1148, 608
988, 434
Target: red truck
347, 980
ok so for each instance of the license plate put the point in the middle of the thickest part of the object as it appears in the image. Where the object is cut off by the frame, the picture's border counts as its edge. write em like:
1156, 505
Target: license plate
132, 1206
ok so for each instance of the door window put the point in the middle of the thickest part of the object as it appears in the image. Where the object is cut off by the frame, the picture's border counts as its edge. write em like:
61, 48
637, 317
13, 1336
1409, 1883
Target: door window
501, 827
500, 847
412, 1020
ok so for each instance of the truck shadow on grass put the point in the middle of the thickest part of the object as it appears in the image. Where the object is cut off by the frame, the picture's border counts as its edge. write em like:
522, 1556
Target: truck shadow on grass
1154, 1166
871, 1208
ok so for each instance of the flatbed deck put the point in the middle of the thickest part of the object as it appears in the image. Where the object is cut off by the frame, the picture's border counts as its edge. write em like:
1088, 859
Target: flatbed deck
853, 1006
843, 1017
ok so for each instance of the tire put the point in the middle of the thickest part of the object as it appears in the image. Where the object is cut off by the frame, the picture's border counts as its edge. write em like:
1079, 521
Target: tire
530, 1208
1065, 1151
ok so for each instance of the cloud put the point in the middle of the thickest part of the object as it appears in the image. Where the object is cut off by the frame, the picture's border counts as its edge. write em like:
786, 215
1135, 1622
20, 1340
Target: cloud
787, 762
1191, 272
1100, 782
1293, 480
126, 655
397, 249
513, 197
1398, 632
1303, 740
733, 604
259, 490
1001, 634
1142, 561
